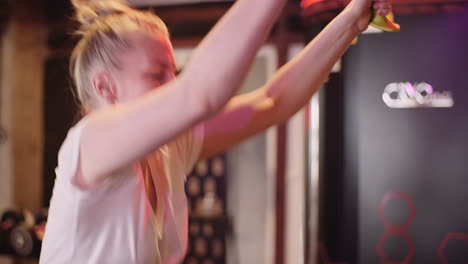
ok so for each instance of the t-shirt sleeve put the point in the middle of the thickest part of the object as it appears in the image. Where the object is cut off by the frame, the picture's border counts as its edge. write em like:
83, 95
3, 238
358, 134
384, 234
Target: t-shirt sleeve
69, 155
188, 147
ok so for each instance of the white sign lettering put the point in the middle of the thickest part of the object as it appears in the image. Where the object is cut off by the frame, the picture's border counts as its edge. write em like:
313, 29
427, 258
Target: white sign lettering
406, 95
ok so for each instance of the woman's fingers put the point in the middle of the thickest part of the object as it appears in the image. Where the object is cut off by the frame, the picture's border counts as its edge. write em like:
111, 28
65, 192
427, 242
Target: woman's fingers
382, 7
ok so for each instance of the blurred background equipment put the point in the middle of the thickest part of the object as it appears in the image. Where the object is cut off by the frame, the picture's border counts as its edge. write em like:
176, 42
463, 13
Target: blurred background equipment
21, 232
208, 223
26, 238
10, 219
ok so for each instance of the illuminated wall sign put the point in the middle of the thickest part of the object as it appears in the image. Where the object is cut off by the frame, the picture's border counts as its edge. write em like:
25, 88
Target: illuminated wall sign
407, 95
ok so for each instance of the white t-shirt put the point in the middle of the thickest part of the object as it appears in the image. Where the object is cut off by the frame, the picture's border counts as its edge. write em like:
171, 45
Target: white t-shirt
114, 222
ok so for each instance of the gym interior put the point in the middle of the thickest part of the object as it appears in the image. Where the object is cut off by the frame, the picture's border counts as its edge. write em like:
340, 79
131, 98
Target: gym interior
371, 171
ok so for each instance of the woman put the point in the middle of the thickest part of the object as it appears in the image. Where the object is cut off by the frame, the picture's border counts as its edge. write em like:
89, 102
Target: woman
119, 192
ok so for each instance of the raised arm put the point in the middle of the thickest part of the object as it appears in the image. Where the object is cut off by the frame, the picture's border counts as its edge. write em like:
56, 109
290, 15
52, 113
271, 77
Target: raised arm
221, 62
292, 86
119, 135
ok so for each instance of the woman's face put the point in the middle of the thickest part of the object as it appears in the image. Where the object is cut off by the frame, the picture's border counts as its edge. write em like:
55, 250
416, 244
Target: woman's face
145, 66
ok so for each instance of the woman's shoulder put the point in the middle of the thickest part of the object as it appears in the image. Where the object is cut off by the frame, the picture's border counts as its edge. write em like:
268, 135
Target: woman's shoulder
69, 151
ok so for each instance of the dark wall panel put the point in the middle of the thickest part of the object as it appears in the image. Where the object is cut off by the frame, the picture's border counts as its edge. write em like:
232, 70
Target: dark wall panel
410, 162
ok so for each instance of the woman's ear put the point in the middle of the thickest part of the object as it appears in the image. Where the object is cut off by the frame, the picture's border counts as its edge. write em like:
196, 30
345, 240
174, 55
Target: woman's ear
105, 87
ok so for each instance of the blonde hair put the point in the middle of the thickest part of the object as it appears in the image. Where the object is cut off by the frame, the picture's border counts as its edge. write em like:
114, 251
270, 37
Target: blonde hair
103, 31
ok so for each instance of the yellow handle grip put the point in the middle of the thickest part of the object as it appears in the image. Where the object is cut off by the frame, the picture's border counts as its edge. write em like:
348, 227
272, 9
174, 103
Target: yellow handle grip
384, 23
